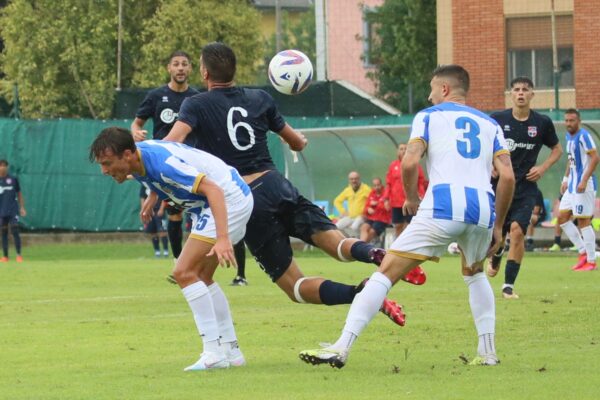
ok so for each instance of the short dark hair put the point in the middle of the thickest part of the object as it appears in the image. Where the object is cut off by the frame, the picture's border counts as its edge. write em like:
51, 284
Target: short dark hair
454, 71
179, 53
115, 139
573, 111
4, 162
522, 79
219, 61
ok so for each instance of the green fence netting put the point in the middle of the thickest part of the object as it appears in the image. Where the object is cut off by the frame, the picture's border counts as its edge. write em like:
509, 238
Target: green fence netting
64, 191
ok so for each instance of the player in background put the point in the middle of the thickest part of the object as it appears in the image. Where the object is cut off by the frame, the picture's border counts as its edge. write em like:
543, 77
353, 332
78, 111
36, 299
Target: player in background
461, 144
12, 205
154, 228
394, 192
162, 106
525, 131
232, 123
220, 204
376, 216
578, 190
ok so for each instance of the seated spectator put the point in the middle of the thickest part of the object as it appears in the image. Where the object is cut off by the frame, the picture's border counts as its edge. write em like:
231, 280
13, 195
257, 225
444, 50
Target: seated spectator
355, 194
377, 218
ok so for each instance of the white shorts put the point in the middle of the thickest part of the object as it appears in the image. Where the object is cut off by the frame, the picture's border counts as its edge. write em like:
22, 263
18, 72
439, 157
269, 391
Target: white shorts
580, 204
238, 214
428, 238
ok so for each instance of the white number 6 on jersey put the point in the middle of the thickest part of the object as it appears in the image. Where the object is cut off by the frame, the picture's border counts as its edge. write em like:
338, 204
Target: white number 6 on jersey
232, 129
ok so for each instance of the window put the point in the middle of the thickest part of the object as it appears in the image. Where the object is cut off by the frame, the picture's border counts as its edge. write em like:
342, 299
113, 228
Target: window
537, 64
369, 37
529, 44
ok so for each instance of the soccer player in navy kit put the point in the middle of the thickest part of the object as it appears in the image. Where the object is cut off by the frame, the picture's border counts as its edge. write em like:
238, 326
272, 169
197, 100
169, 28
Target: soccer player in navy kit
526, 131
232, 123
12, 205
162, 106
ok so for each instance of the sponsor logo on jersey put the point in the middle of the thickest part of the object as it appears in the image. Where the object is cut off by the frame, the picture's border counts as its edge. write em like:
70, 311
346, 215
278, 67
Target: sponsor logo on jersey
532, 131
506, 128
165, 99
5, 189
512, 145
168, 116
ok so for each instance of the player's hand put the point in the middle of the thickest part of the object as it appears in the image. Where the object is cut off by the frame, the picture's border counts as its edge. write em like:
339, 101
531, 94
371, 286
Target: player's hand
410, 206
496, 241
223, 250
139, 135
22, 212
370, 210
563, 187
535, 174
147, 210
386, 205
581, 187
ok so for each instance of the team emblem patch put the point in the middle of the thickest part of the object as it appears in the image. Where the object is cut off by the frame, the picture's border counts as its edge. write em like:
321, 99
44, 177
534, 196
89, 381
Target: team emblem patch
168, 116
532, 131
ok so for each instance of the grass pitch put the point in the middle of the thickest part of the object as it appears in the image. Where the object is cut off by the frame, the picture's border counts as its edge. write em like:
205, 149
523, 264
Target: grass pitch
101, 322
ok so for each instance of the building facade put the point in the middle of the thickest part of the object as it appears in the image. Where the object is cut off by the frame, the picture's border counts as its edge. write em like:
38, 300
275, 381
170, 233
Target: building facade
497, 40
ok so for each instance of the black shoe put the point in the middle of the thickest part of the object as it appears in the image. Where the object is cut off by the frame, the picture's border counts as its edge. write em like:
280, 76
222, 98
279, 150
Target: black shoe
239, 281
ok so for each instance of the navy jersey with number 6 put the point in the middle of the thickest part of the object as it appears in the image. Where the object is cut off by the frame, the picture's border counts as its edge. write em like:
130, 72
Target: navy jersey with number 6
162, 106
525, 139
232, 123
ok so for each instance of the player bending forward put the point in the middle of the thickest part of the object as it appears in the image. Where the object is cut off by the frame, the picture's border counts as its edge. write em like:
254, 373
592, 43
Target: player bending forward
461, 143
220, 204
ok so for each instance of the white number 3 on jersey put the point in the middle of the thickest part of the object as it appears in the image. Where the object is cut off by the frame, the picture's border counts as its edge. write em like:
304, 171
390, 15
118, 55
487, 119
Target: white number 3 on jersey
232, 129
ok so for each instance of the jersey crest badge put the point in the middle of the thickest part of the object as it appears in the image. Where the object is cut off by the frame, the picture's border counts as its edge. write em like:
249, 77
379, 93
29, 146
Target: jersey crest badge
165, 99
507, 128
532, 131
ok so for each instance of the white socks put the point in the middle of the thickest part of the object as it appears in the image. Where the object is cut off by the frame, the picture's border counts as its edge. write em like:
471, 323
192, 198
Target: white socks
574, 236
201, 304
223, 314
365, 306
483, 308
589, 242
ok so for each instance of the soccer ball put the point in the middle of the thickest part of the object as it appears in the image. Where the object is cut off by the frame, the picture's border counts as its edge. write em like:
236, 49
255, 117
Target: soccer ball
290, 72
453, 248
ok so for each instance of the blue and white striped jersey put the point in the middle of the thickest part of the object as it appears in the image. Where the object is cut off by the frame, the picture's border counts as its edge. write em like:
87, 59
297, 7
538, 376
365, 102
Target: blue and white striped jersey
579, 146
461, 144
174, 171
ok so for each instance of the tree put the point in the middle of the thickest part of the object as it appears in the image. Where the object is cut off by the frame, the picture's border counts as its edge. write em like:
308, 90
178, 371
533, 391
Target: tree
189, 25
62, 56
404, 51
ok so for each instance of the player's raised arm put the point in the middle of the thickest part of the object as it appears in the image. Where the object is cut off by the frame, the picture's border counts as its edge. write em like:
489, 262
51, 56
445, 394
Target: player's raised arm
295, 139
179, 132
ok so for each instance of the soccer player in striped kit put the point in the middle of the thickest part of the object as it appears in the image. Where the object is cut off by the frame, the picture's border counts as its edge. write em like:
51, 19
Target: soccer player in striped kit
579, 191
461, 144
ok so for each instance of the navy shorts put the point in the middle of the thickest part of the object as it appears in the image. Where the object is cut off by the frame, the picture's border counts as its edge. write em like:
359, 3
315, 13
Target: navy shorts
378, 226
154, 226
521, 208
398, 217
280, 212
12, 220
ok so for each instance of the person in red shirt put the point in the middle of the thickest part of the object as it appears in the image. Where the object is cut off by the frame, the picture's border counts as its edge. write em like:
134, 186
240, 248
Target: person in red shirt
377, 217
394, 192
